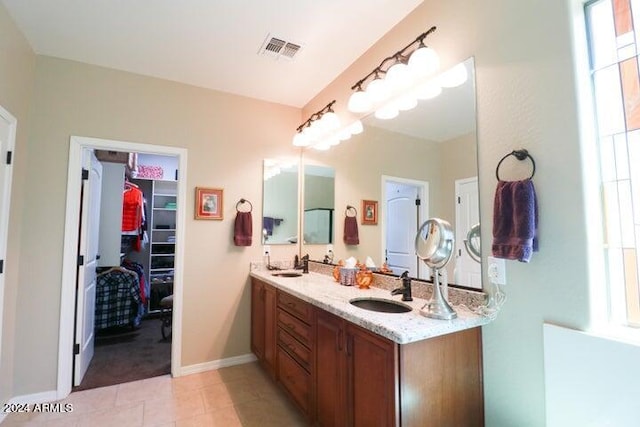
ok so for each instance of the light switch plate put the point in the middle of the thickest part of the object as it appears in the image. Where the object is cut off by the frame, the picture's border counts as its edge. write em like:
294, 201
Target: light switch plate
497, 270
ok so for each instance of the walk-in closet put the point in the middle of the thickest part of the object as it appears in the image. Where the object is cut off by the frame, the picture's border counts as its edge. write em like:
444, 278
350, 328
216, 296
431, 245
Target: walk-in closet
136, 242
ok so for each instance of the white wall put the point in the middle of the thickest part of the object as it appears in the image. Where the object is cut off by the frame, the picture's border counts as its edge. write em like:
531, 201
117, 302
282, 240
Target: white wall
110, 214
590, 381
17, 70
79, 99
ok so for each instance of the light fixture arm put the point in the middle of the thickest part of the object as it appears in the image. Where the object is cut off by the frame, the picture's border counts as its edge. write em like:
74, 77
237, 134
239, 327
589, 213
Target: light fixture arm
398, 56
317, 115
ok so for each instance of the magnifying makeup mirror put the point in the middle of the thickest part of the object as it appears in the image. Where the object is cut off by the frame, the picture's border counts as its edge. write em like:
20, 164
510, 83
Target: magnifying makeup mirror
472, 243
434, 246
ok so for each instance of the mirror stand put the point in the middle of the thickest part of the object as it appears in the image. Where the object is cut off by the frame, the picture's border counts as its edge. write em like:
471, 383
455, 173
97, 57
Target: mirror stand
438, 307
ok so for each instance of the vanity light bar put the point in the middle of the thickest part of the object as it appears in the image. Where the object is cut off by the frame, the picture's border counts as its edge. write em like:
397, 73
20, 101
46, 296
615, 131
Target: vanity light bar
394, 75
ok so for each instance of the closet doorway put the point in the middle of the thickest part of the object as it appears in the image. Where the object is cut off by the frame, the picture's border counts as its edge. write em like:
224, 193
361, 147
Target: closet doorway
153, 258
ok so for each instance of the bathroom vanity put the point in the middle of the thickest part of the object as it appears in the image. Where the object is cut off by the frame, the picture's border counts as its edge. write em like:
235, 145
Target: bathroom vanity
345, 366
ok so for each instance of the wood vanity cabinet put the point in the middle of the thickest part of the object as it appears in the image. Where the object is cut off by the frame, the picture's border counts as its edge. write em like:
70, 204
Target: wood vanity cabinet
340, 374
364, 379
356, 381
296, 346
263, 324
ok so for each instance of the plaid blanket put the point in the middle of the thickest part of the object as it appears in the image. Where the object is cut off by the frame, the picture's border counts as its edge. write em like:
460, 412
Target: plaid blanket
117, 298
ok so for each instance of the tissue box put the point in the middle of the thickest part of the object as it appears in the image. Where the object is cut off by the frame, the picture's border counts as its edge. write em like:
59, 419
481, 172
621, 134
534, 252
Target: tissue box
348, 276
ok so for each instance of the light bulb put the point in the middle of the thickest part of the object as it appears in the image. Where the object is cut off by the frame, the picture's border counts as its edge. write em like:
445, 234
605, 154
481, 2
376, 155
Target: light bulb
387, 112
311, 133
406, 103
333, 141
331, 121
454, 76
344, 134
398, 77
359, 102
428, 90
378, 90
323, 146
423, 62
356, 127
300, 140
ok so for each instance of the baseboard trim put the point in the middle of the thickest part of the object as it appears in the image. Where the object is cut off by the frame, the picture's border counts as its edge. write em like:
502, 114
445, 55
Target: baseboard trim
217, 364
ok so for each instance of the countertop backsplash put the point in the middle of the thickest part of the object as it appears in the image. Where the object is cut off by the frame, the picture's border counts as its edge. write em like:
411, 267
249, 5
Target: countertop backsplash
419, 288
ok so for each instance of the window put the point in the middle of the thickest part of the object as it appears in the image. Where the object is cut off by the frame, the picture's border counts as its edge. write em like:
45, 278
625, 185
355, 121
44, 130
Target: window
613, 45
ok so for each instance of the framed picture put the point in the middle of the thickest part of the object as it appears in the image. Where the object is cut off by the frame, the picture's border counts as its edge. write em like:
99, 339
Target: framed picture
208, 203
369, 212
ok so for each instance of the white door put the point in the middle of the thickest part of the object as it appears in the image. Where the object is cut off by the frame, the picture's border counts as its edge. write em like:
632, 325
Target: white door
467, 272
7, 142
88, 250
401, 227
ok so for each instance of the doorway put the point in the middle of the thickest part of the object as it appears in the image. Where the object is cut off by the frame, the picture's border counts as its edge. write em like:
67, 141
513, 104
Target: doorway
8, 125
67, 343
405, 205
466, 270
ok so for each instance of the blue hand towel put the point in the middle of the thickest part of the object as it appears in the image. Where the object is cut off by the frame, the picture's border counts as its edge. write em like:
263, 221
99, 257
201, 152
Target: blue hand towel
515, 220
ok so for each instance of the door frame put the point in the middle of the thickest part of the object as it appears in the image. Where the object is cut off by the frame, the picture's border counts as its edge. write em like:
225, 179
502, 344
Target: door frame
459, 242
6, 206
70, 248
424, 210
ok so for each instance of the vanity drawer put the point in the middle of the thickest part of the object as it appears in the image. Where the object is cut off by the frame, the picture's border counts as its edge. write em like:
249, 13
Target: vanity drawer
299, 352
295, 306
295, 380
299, 330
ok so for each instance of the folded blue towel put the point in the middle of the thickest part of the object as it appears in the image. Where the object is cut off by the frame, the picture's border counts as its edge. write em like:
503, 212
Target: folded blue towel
515, 220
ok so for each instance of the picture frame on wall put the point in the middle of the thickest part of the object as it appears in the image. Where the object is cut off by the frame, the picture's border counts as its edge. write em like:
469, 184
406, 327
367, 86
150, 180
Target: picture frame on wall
209, 203
369, 212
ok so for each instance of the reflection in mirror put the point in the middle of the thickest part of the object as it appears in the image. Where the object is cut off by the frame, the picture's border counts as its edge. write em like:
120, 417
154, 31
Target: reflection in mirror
280, 202
427, 154
319, 205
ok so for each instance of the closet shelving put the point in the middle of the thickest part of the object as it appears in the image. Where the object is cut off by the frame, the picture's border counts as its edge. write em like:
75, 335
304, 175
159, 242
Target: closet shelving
162, 234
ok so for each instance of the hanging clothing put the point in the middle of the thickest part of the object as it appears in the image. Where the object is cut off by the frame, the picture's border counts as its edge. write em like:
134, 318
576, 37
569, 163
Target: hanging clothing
117, 298
139, 270
133, 214
132, 209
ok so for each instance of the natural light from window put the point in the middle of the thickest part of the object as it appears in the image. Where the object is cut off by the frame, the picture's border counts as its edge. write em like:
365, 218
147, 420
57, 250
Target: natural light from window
614, 52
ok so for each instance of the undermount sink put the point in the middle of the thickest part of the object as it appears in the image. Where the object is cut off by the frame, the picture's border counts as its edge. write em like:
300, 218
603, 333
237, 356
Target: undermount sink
287, 274
380, 305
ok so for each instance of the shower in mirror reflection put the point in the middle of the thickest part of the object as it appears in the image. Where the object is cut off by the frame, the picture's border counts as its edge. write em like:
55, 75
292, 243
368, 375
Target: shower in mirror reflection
280, 202
319, 205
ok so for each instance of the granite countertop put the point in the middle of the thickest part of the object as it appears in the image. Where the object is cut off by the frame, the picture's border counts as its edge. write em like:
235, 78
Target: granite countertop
403, 328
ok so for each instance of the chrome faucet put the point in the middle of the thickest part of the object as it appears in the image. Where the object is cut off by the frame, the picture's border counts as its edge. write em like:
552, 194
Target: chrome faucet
303, 265
405, 290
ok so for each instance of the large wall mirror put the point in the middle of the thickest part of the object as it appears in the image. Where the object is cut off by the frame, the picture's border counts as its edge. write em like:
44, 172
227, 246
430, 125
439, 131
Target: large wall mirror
319, 205
427, 154
280, 202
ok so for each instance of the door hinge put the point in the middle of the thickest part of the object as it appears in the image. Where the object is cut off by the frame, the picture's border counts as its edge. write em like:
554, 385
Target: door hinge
76, 349
80, 260
9, 157
418, 202
85, 174
458, 199
1, 266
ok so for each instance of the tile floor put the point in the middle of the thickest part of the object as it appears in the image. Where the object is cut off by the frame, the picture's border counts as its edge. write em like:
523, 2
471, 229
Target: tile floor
241, 395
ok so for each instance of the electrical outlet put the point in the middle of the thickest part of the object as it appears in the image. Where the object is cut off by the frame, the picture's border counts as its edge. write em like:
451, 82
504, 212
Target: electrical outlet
497, 270
266, 250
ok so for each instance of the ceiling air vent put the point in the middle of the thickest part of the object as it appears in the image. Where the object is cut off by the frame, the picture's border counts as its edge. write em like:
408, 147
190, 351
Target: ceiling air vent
277, 48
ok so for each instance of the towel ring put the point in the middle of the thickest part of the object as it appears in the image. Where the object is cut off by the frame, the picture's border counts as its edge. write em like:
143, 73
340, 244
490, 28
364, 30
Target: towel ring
241, 202
349, 208
520, 155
